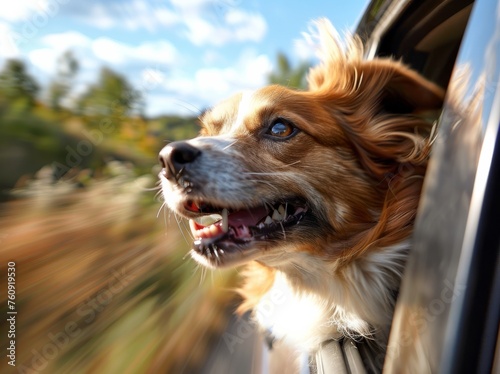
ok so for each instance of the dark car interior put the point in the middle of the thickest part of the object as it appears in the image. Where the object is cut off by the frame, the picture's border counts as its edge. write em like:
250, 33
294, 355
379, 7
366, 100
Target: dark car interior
427, 36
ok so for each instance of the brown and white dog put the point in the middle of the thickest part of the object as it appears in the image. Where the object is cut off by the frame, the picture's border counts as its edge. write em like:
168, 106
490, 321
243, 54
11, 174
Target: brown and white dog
315, 190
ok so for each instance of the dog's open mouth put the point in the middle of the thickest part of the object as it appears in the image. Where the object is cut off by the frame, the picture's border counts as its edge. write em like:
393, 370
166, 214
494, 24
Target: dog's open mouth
219, 231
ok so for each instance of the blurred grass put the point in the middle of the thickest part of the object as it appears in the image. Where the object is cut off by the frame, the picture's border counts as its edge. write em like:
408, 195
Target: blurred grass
102, 283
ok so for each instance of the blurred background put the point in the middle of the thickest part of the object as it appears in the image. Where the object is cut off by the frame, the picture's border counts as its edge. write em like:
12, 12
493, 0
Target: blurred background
89, 93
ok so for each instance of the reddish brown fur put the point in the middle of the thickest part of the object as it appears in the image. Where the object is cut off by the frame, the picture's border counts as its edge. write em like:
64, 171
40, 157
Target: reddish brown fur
386, 153
358, 157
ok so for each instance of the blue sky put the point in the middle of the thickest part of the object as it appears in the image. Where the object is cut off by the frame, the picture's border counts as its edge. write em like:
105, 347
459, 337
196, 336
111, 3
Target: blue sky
183, 55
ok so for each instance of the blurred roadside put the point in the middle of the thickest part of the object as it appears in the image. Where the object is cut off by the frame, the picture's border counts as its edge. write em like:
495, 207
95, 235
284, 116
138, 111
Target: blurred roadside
101, 283
101, 286
68, 131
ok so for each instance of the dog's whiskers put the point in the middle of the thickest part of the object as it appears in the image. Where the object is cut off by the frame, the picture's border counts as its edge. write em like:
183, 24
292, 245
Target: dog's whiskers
179, 174
203, 275
291, 164
274, 173
216, 253
283, 230
188, 106
161, 207
265, 182
159, 193
182, 229
230, 145
152, 189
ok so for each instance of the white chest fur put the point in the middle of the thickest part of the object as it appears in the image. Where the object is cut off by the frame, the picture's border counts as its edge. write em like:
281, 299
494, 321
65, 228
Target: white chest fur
354, 305
300, 319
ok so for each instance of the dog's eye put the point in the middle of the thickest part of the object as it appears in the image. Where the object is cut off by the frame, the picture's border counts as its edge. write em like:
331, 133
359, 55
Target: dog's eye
281, 129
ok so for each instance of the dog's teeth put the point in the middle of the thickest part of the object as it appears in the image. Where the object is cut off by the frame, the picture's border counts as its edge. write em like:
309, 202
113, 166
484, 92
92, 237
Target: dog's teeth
281, 210
277, 216
268, 220
221, 251
208, 220
213, 230
225, 221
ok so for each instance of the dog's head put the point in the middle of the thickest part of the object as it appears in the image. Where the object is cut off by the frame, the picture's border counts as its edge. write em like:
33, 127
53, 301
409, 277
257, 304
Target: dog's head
330, 171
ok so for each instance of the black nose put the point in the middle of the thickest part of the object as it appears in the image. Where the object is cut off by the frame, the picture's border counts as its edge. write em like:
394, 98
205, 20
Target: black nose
175, 156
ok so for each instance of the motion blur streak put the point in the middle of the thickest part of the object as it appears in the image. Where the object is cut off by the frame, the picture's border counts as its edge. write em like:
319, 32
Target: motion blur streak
101, 287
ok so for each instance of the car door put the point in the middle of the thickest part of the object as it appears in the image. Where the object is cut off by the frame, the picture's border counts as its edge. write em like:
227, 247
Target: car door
447, 315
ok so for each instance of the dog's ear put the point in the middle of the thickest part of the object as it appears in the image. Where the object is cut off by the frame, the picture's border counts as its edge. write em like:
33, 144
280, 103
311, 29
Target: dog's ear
383, 84
374, 102
383, 114
396, 89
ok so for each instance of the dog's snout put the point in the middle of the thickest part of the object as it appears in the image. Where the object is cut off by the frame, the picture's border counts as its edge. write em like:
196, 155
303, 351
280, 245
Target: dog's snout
175, 156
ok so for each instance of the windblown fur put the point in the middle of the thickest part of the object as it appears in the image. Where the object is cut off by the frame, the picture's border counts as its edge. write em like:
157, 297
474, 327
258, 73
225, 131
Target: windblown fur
351, 165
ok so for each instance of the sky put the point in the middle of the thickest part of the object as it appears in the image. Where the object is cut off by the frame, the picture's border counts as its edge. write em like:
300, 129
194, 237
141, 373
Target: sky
182, 55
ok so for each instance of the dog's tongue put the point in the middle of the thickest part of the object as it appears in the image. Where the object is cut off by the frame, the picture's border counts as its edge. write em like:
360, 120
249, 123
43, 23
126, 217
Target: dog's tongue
247, 217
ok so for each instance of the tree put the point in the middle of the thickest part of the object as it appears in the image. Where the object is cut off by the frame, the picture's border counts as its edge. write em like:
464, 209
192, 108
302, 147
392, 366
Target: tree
112, 96
286, 75
67, 68
16, 85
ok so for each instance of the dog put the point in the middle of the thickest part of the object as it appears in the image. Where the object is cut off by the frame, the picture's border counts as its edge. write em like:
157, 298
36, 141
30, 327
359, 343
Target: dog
316, 191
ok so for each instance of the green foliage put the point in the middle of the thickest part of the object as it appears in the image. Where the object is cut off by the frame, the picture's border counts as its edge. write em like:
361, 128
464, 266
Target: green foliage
60, 87
286, 75
32, 136
29, 142
112, 95
172, 128
17, 87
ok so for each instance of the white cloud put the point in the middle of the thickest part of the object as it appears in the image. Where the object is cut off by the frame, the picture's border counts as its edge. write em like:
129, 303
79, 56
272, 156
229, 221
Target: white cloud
66, 40
304, 50
235, 25
110, 51
133, 15
138, 15
8, 45
100, 17
247, 26
156, 67
127, 59
150, 78
114, 52
44, 59
54, 45
211, 57
196, 5
160, 103
207, 86
204, 22
21, 10
92, 53
308, 46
